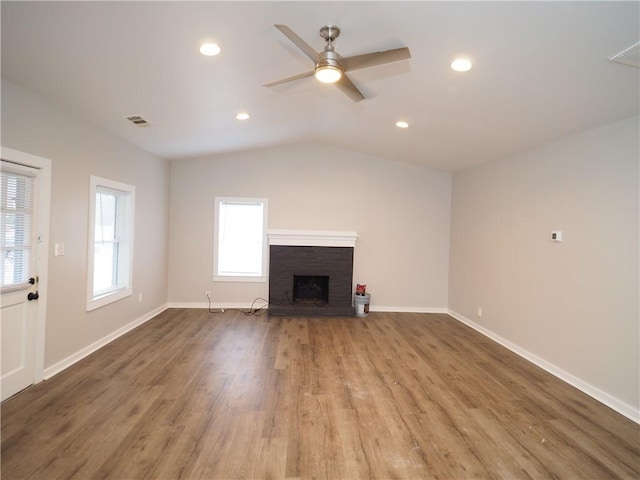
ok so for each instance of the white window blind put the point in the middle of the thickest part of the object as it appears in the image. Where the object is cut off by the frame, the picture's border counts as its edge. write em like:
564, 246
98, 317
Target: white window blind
17, 203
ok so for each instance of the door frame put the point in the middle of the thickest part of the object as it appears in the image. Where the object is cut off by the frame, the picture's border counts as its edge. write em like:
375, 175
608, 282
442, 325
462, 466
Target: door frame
42, 243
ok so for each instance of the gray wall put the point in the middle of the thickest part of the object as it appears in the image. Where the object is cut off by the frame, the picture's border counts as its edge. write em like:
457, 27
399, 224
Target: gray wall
400, 211
573, 304
30, 124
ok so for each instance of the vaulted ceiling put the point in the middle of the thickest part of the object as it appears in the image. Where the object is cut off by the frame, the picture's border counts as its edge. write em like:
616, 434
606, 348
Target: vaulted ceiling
541, 71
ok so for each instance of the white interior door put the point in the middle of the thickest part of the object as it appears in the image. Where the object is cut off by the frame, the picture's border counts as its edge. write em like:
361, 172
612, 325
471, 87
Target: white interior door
18, 342
19, 239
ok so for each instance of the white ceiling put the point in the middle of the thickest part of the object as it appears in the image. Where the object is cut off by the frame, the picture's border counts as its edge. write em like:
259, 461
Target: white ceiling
541, 72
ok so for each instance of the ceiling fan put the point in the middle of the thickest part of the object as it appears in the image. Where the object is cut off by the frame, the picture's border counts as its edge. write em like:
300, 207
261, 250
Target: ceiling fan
330, 67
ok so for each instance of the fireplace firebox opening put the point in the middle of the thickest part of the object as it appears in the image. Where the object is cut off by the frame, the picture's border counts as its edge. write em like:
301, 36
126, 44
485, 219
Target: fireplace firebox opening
312, 289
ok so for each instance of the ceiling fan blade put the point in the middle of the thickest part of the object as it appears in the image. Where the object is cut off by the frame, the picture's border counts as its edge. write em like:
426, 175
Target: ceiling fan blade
377, 58
289, 79
299, 42
347, 86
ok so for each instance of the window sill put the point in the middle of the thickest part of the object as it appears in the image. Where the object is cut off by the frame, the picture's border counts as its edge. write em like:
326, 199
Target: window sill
108, 298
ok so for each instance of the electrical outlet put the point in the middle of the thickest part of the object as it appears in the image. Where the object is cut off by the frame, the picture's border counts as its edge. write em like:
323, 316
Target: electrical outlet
479, 311
207, 293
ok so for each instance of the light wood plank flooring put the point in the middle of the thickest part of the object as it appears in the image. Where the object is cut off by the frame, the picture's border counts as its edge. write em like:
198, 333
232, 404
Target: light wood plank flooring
404, 396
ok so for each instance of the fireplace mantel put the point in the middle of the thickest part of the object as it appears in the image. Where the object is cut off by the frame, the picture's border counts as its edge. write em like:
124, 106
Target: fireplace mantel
312, 238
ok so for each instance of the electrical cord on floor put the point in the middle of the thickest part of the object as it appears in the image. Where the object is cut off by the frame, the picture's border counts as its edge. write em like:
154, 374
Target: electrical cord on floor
253, 310
213, 311
261, 310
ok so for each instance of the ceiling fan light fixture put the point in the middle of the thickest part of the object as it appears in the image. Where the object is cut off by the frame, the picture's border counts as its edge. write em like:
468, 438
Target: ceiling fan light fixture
328, 73
328, 68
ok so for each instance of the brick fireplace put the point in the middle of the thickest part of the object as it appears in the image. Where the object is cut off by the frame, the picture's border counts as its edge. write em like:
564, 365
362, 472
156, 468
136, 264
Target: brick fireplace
310, 272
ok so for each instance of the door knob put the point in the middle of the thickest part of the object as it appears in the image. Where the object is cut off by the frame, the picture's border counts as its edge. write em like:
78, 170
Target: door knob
33, 296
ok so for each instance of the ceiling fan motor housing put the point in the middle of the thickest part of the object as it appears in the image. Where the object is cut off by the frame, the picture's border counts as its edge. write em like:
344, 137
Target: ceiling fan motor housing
328, 58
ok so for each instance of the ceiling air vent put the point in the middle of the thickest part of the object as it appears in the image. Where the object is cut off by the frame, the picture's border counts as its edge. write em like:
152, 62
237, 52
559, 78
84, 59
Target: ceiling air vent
137, 120
629, 56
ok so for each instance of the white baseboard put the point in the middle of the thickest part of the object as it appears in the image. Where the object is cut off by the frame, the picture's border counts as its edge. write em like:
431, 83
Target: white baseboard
378, 308
603, 397
259, 304
76, 357
218, 306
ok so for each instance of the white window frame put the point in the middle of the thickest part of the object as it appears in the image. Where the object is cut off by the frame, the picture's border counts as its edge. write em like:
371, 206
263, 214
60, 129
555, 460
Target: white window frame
125, 287
262, 276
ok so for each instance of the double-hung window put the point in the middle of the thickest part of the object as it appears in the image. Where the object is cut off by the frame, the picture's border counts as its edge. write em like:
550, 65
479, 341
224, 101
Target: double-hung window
239, 250
112, 207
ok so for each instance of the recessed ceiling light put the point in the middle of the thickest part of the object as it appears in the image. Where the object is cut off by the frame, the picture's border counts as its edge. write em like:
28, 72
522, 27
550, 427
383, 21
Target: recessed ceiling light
209, 49
242, 116
402, 124
461, 65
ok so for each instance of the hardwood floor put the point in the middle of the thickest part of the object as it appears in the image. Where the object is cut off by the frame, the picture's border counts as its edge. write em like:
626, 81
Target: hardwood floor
406, 396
